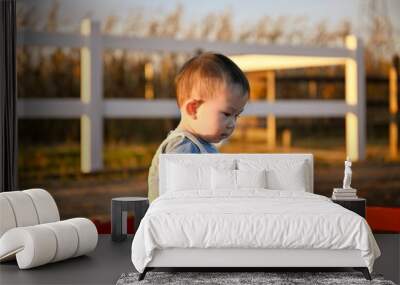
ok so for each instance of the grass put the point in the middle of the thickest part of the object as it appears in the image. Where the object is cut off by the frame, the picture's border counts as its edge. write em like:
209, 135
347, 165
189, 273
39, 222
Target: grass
62, 162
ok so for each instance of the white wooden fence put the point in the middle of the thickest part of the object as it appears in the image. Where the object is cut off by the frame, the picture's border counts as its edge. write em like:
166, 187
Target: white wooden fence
92, 108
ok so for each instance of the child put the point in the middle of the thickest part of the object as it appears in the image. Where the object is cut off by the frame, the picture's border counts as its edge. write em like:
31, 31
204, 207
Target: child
211, 92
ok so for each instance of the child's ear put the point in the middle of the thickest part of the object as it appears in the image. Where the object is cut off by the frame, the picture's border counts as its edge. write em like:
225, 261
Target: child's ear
192, 106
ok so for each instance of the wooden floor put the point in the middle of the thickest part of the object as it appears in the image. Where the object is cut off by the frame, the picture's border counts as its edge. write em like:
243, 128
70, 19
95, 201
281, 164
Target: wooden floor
110, 259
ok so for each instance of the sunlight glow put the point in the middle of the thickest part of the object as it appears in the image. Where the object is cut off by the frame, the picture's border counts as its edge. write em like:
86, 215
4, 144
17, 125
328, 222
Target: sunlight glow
258, 62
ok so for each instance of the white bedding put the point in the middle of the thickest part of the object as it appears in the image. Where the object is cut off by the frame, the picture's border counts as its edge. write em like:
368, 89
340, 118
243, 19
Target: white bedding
252, 218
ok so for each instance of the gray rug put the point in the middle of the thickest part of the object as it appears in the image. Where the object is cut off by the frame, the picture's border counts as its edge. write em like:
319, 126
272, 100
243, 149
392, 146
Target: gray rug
228, 278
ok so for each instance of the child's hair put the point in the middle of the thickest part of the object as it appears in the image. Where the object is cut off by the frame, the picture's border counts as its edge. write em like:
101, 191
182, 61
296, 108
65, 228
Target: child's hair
205, 74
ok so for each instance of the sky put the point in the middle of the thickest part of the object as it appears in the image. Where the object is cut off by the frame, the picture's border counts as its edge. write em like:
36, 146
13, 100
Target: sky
244, 12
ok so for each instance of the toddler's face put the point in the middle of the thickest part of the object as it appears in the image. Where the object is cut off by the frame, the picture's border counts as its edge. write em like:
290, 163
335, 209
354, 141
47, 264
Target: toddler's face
216, 117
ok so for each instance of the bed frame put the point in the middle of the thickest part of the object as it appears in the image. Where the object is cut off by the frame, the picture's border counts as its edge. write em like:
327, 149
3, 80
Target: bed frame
243, 259
246, 258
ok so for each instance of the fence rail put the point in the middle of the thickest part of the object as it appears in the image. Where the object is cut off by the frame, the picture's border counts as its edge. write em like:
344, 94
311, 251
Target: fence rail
92, 108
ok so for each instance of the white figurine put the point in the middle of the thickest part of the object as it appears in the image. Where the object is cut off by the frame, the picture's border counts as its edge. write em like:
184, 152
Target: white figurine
347, 174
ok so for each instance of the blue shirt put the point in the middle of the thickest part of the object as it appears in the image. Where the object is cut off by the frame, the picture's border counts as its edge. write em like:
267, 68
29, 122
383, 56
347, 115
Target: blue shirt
185, 145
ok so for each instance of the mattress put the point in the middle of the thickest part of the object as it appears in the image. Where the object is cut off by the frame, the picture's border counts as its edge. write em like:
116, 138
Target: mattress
252, 218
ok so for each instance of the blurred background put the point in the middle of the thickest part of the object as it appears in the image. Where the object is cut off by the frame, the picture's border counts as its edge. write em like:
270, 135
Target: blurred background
50, 148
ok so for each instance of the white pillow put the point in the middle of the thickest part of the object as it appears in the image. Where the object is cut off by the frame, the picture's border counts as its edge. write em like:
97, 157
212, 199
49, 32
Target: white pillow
184, 174
292, 181
237, 179
251, 178
281, 174
181, 177
223, 179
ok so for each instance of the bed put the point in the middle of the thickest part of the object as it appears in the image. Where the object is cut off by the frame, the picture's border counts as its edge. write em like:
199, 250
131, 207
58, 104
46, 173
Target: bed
247, 210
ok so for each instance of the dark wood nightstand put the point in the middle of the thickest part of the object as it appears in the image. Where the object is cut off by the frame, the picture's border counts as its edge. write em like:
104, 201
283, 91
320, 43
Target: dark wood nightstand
356, 205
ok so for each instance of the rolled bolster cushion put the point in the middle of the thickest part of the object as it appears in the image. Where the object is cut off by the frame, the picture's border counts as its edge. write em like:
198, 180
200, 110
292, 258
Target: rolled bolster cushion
7, 218
32, 245
46, 207
67, 240
23, 208
87, 234
40, 244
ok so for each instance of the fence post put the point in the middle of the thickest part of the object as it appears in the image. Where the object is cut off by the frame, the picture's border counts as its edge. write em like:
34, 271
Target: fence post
394, 108
271, 120
356, 128
286, 139
149, 77
92, 97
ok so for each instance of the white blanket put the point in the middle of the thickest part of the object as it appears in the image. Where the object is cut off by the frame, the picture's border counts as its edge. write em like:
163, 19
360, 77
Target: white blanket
250, 219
